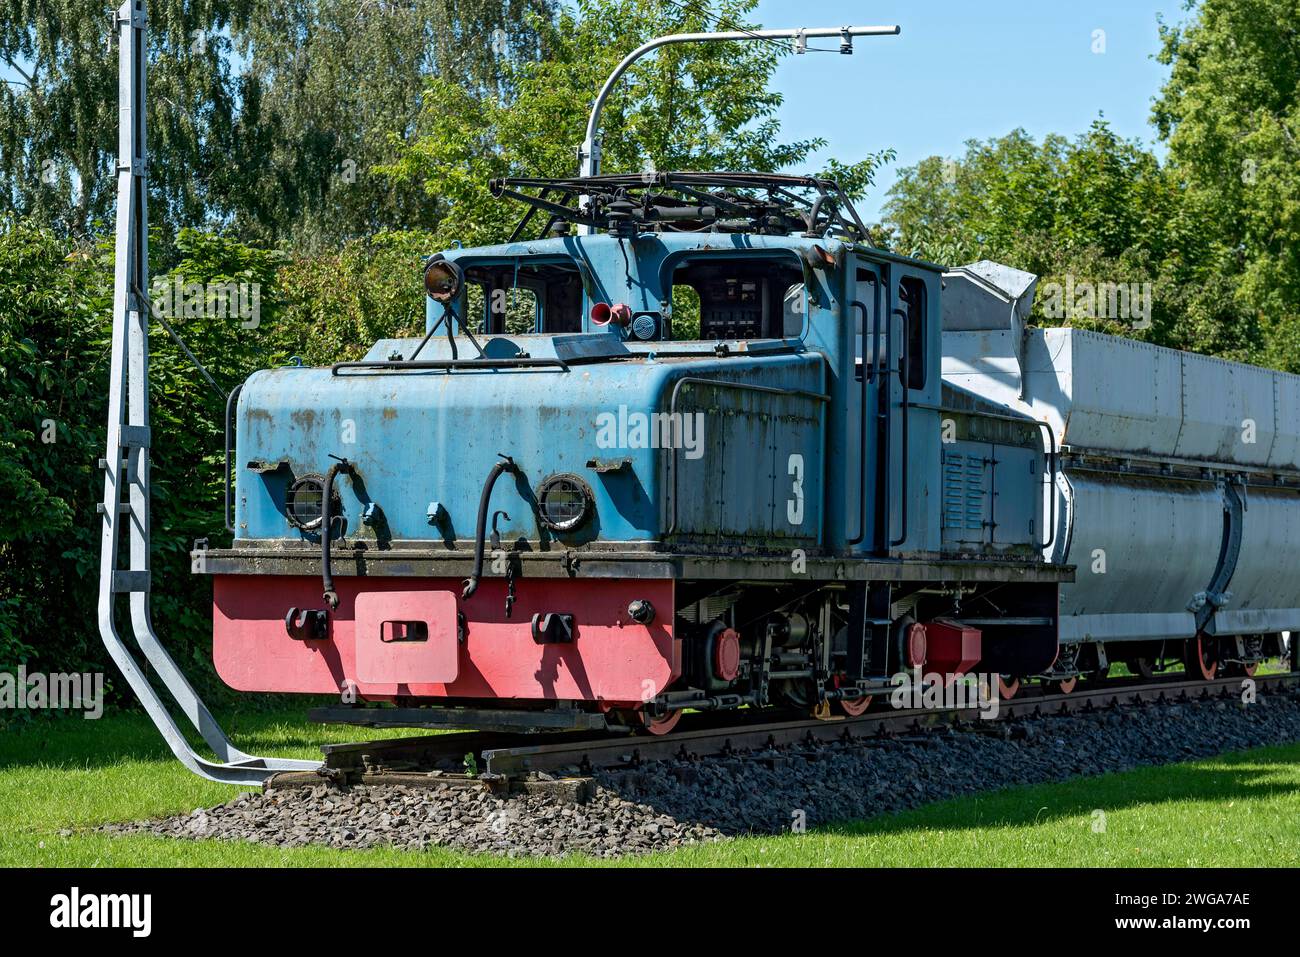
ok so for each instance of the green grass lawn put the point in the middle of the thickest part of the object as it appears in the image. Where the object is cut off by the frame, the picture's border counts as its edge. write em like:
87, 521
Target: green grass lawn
1238, 810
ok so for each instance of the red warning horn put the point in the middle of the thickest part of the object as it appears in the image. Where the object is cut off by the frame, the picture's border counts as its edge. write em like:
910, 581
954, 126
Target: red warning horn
602, 314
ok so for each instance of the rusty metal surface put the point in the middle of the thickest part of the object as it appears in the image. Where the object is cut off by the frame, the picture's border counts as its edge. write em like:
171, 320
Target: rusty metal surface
592, 563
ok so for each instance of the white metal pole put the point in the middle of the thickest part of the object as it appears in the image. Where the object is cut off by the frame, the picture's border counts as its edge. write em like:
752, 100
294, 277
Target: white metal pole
126, 458
589, 151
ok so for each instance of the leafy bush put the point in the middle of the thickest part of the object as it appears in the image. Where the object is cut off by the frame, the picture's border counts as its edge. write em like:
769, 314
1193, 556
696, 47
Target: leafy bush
53, 297
55, 334
334, 306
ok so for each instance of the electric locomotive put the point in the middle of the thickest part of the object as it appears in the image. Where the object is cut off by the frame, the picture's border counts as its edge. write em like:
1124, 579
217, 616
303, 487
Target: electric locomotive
695, 443
720, 468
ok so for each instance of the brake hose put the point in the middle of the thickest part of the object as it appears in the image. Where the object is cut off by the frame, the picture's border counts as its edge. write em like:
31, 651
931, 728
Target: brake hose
327, 493
507, 464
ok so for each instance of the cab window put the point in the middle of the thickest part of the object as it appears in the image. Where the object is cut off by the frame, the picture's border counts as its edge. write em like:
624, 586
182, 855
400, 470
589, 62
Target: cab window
521, 297
912, 300
749, 298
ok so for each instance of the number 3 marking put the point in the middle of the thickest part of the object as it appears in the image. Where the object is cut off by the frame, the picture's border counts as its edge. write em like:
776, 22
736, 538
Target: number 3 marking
794, 507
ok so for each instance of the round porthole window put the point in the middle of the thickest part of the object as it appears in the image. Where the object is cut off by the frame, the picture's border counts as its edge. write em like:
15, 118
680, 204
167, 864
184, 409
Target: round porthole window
303, 504
564, 502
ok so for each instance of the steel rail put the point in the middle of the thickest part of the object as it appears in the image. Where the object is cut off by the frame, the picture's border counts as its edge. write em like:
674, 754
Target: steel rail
522, 759
514, 755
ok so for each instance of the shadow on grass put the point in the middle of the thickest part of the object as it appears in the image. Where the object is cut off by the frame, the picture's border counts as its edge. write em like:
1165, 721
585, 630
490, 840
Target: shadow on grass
1239, 776
131, 736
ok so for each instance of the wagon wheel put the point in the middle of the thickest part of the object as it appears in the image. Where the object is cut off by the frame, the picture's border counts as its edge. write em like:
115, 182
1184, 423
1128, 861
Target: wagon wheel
1061, 687
1008, 687
1254, 647
1144, 668
1065, 685
1200, 657
659, 725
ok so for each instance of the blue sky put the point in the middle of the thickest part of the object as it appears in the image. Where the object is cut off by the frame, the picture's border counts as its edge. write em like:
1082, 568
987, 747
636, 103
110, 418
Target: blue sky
963, 69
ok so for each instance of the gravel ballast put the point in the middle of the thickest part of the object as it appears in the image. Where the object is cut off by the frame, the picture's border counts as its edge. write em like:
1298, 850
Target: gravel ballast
668, 804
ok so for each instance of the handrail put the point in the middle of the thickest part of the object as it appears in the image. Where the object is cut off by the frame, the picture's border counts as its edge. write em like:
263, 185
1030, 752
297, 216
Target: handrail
232, 401
379, 365
862, 437
885, 406
905, 382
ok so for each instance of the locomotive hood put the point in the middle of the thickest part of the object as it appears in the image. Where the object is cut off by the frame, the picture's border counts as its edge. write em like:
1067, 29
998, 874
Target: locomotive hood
422, 443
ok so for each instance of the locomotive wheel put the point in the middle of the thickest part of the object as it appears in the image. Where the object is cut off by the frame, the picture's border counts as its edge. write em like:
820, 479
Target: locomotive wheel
1008, 687
1199, 658
854, 706
661, 725
642, 723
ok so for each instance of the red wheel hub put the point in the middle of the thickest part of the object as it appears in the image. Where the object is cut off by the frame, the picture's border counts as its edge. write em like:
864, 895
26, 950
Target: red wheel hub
915, 646
726, 654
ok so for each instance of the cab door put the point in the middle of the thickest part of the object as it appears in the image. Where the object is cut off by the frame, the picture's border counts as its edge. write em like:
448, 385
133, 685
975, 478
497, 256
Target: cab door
870, 395
892, 420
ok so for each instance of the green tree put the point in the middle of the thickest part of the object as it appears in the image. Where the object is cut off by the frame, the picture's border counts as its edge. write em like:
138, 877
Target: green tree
695, 106
58, 115
267, 115
1230, 114
333, 305
327, 85
53, 297
1095, 209
55, 322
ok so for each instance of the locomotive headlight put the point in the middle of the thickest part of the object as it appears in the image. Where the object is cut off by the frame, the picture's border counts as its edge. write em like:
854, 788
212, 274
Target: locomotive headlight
564, 502
303, 503
442, 280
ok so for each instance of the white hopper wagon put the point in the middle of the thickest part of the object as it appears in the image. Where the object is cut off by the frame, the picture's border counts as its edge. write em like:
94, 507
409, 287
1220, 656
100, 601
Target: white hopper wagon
1178, 491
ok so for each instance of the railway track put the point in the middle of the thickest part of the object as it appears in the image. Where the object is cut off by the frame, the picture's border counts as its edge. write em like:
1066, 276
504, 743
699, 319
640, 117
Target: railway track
561, 763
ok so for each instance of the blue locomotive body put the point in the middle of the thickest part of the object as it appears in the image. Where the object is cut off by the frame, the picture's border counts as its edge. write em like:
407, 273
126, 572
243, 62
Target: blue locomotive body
427, 440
